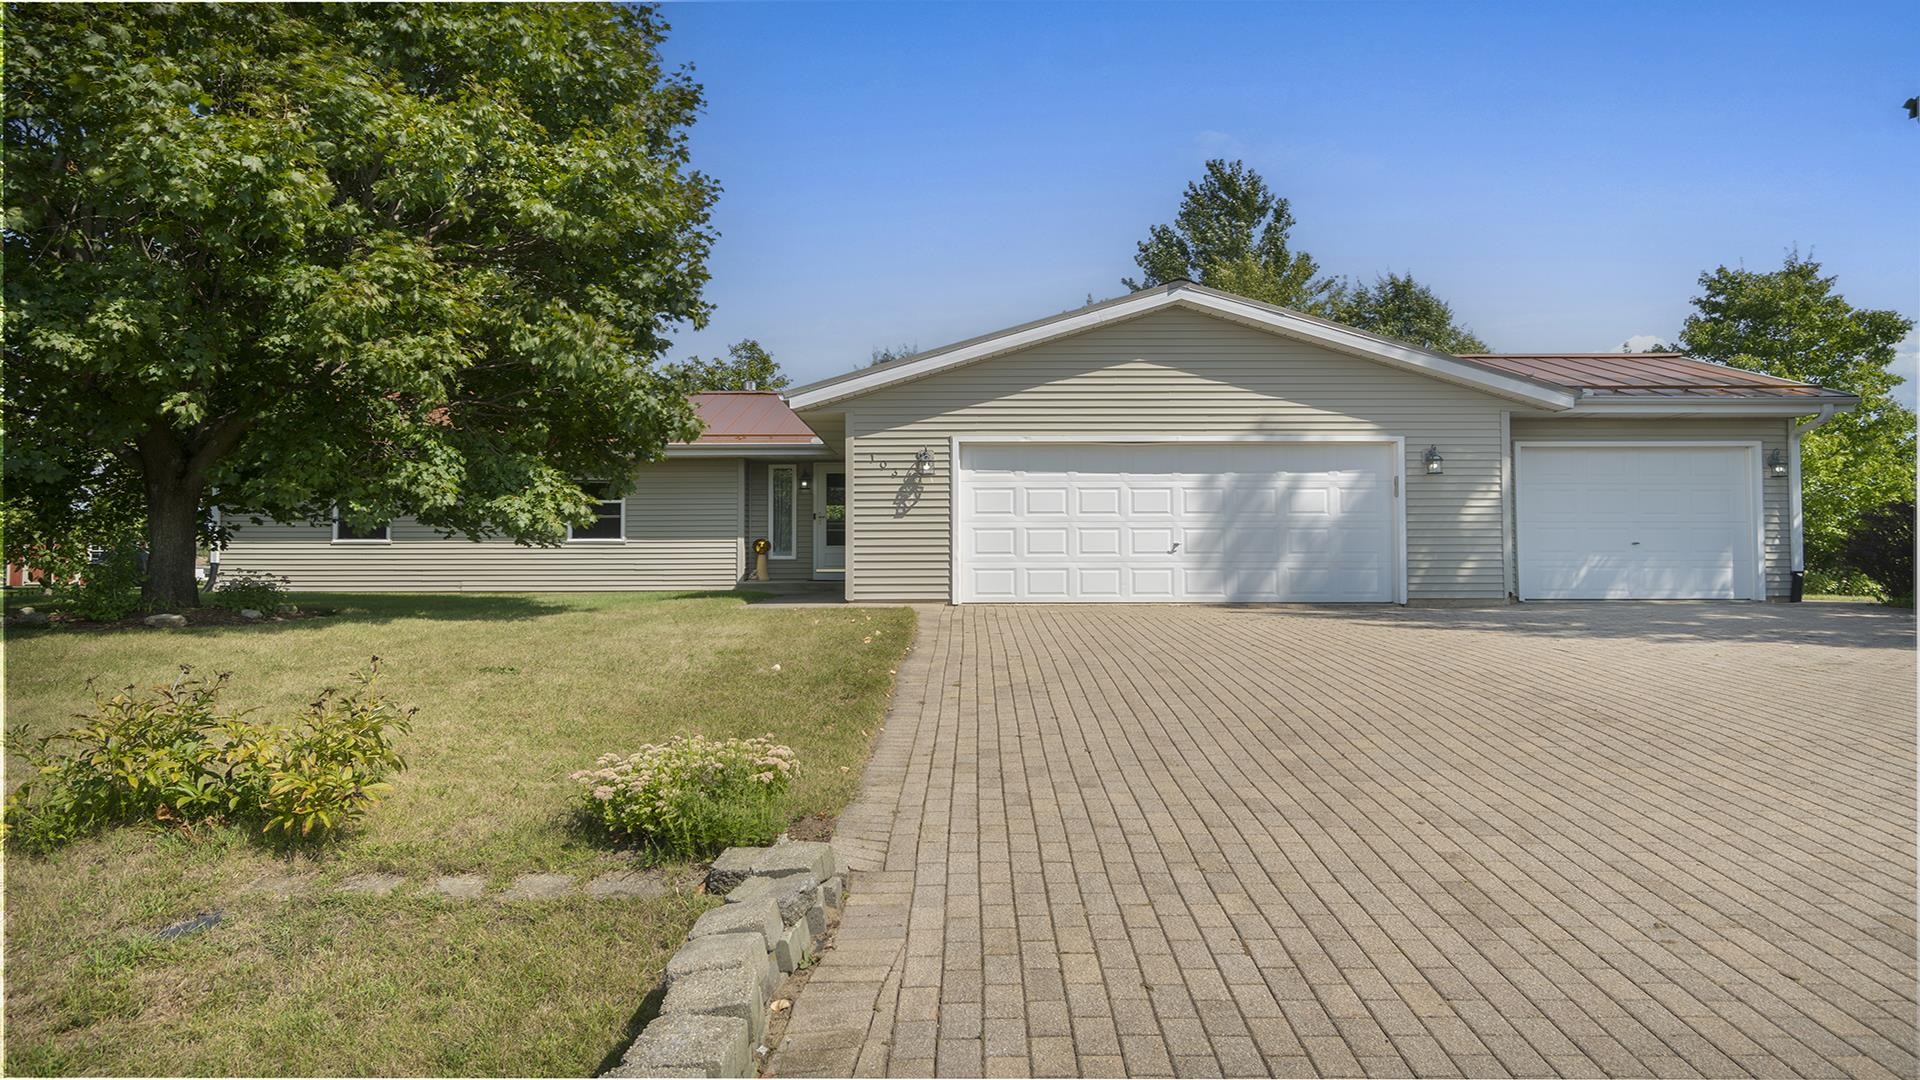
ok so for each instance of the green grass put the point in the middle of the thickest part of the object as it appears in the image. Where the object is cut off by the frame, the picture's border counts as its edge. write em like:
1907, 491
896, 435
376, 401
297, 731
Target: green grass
514, 693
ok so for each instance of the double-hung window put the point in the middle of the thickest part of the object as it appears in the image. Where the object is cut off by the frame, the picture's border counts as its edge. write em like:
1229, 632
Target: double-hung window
782, 510
347, 533
609, 516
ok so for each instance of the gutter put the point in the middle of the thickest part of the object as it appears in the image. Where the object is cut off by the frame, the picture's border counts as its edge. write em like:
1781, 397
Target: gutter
1795, 511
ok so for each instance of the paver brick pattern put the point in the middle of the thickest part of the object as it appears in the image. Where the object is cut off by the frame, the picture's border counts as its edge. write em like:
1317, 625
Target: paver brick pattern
1577, 840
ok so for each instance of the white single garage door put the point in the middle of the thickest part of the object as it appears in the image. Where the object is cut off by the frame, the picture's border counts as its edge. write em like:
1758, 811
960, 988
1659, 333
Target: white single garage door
1647, 522
1223, 522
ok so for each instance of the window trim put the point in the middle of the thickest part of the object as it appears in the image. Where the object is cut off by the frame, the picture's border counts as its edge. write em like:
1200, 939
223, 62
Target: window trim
338, 539
621, 539
793, 521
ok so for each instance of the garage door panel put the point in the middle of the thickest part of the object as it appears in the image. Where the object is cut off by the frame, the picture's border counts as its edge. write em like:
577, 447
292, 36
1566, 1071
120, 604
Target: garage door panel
1645, 522
1214, 522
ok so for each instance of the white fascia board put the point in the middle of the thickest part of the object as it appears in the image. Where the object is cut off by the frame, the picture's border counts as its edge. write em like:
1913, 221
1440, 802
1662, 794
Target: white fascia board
1330, 335
786, 451
1707, 407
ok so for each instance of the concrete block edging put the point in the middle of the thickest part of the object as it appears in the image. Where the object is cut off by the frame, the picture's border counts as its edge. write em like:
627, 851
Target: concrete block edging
720, 983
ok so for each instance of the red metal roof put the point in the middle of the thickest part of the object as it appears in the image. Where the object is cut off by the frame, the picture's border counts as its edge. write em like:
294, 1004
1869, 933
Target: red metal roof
1646, 375
755, 417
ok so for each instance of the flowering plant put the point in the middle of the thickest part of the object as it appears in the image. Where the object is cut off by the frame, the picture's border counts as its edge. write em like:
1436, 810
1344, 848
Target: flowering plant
691, 795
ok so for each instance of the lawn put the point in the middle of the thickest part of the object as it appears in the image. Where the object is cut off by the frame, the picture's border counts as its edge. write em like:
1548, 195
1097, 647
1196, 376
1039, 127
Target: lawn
514, 692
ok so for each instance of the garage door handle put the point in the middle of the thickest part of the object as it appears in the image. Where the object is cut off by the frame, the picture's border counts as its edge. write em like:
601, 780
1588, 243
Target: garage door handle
1174, 548
1636, 543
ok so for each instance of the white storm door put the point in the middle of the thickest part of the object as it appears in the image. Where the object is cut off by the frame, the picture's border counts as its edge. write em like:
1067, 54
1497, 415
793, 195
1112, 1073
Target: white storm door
1649, 522
829, 519
1185, 522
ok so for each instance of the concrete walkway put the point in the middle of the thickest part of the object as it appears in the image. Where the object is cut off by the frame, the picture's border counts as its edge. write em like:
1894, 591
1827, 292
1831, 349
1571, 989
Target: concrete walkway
1625, 839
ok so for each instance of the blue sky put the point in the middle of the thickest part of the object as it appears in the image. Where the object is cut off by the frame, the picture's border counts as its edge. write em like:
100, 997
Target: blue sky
1560, 174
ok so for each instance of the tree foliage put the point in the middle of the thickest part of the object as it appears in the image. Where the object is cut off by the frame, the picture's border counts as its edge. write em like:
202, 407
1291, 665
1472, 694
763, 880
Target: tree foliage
890, 353
410, 259
747, 366
1792, 323
1399, 307
1231, 234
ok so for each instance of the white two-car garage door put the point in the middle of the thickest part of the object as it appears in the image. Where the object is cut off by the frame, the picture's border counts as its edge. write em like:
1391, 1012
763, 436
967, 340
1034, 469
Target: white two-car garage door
1638, 522
1193, 522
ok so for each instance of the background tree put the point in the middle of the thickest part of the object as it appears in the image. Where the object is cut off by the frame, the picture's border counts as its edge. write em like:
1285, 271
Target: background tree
891, 353
747, 366
1231, 234
1791, 322
406, 259
1399, 307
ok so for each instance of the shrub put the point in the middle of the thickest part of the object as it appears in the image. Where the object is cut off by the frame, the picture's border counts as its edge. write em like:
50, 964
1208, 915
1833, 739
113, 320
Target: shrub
1881, 547
249, 589
101, 591
167, 755
692, 796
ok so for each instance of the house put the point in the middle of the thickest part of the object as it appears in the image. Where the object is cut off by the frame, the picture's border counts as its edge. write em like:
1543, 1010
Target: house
1184, 444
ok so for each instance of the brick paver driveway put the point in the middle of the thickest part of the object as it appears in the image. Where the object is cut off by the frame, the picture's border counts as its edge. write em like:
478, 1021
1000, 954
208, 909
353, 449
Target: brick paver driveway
1663, 840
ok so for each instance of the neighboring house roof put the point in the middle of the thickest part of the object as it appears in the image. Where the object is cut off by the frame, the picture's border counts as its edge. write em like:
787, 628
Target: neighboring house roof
735, 421
1185, 294
1652, 375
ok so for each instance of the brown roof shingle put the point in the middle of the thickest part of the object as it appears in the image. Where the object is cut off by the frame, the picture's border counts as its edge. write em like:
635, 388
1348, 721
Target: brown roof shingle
749, 417
1647, 375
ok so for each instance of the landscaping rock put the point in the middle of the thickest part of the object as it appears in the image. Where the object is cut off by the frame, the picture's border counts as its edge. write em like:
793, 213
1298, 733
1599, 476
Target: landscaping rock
727, 951
627, 883
690, 1044
792, 895
165, 620
461, 886
280, 885
26, 616
286, 609
794, 948
371, 884
734, 866
834, 891
795, 857
760, 916
816, 914
252, 613
725, 991
538, 887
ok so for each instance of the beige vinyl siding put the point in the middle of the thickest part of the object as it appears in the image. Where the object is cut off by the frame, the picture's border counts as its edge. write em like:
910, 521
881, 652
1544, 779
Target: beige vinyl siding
683, 531
1174, 372
1770, 431
800, 567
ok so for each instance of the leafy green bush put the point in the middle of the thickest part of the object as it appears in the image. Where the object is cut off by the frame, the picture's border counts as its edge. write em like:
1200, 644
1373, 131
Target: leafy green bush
244, 589
1881, 547
692, 796
167, 755
101, 591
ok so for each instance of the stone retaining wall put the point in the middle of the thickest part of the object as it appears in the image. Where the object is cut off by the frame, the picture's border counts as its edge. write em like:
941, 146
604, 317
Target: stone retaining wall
720, 984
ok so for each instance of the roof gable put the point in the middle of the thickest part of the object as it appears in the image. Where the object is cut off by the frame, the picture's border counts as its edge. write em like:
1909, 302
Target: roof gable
1277, 320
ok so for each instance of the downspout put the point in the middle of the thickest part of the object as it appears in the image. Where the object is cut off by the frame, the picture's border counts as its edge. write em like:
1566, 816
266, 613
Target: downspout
1795, 512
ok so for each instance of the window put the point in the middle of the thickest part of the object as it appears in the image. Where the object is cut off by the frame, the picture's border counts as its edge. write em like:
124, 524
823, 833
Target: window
609, 516
780, 510
344, 533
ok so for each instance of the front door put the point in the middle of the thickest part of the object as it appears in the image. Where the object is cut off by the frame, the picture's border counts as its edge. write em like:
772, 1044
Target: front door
829, 520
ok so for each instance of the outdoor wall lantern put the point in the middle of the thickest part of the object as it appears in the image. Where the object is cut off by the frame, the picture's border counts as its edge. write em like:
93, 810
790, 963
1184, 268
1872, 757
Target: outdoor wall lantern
806, 479
1777, 464
1433, 459
923, 462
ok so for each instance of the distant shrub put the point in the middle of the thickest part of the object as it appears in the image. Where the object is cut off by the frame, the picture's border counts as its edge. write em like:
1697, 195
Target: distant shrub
167, 755
101, 591
249, 589
1881, 547
691, 796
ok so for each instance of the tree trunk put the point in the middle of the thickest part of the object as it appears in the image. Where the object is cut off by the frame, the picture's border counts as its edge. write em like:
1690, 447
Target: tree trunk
173, 488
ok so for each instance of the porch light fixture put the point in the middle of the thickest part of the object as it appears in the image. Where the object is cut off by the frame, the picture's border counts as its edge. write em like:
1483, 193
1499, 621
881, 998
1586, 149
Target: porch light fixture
1777, 464
806, 480
1432, 459
923, 462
